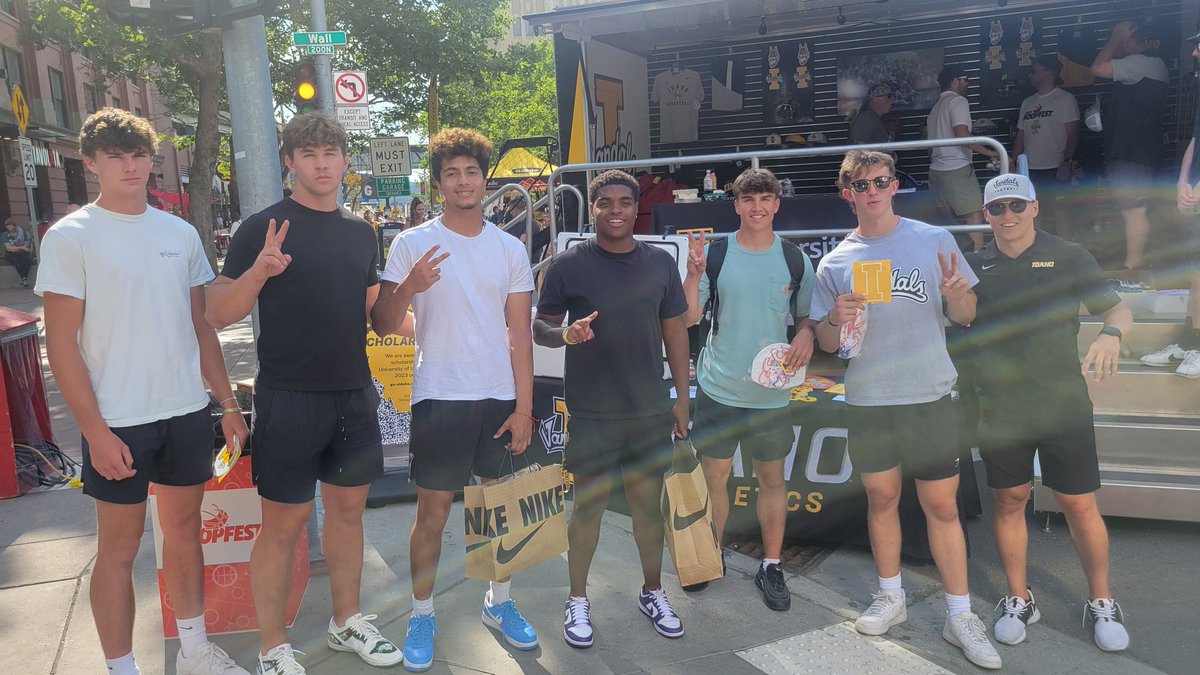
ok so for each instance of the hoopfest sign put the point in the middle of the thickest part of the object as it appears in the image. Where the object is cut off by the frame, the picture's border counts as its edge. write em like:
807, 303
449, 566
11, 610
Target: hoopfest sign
231, 519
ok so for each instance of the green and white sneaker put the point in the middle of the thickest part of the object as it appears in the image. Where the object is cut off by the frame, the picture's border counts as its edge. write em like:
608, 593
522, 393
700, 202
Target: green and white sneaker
361, 637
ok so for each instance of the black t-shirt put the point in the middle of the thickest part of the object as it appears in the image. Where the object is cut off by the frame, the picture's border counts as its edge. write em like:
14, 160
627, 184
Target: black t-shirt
1024, 340
312, 318
1133, 122
619, 374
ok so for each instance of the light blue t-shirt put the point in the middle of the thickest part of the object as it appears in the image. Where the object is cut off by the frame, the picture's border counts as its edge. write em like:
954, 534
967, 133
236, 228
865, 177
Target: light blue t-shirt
903, 359
755, 287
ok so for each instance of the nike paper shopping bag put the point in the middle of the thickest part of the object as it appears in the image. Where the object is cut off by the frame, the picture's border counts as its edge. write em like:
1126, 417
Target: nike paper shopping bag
690, 534
515, 523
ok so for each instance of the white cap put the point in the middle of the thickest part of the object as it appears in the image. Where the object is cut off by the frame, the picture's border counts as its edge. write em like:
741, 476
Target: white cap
1010, 186
1091, 118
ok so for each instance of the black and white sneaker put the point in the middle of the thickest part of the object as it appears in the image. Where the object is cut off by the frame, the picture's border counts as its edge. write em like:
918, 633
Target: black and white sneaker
1109, 628
775, 591
1017, 613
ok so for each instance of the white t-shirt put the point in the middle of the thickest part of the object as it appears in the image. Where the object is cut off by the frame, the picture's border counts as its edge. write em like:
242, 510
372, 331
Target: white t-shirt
462, 333
678, 96
1043, 120
951, 110
135, 275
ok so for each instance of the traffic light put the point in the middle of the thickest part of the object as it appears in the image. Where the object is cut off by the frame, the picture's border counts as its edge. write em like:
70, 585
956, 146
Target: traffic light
306, 87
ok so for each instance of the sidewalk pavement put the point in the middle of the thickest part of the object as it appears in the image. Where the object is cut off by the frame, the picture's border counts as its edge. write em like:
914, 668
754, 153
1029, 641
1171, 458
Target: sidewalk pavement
47, 547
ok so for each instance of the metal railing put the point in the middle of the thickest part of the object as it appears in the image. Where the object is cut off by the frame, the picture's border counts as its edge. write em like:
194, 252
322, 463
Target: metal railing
528, 214
757, 156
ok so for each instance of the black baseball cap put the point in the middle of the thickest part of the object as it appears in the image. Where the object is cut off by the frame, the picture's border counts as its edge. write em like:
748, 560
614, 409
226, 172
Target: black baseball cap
1195, 39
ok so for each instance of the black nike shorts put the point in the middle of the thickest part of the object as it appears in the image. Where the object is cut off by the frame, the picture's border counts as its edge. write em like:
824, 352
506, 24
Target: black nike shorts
921, 438
451, 440
177, 451
631, 445
301, 437
766, 435
1066, 450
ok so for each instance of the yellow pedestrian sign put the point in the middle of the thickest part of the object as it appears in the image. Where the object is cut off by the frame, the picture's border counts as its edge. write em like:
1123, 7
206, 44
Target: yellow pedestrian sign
20, 108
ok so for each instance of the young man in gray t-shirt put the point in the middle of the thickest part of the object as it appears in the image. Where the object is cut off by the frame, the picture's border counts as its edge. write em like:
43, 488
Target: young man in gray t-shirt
900, 416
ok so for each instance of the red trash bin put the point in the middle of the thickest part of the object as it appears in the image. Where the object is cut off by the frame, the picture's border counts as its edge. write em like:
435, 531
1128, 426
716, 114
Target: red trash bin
24, 415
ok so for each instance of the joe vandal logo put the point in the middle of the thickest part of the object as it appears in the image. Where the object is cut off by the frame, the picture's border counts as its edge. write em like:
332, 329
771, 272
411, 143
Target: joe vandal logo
553, 429
215, 528
911, 287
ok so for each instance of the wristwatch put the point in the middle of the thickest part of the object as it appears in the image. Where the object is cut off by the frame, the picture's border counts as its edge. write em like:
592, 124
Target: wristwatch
1113, 331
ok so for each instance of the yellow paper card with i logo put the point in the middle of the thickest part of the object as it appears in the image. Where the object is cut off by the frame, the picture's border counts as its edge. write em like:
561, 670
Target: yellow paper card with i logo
873, 279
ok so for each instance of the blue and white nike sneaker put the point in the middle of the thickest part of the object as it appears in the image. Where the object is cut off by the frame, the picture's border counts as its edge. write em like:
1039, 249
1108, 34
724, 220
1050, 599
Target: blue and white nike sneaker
506, 618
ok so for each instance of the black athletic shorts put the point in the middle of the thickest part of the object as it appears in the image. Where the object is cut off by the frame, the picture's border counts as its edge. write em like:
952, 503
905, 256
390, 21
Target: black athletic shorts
451, 440
718, 429
177, 451
1066, 450
632, 445
301, 437
921, 438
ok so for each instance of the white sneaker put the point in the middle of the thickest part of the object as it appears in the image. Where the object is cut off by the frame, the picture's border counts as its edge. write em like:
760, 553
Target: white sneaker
1165, 357
361, 637
886, 610
1017, 613
967, 632
280, 661
1190, 368
208, 659
1110, 633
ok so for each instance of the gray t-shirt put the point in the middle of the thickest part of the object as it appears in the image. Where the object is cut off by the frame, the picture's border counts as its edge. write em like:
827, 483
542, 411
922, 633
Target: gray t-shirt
903, 359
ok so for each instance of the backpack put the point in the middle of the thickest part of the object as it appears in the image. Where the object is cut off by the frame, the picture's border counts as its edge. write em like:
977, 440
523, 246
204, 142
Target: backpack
792, 254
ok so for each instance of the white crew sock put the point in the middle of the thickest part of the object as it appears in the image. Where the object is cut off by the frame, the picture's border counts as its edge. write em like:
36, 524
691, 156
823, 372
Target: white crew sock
957, 604
192, 634
124, 665
891, 585
422, 607
769, 561
499, 592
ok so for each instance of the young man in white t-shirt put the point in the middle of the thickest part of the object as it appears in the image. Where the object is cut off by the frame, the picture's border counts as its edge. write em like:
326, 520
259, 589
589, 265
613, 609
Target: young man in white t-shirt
123, 286
951, 174
901, 419
472, 398
1048, 133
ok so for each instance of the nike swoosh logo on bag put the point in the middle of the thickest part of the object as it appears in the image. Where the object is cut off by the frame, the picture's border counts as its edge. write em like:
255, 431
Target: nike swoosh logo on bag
506, 555
681, 523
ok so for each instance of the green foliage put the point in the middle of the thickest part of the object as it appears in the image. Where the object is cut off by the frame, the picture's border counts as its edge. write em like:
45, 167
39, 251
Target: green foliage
515, 98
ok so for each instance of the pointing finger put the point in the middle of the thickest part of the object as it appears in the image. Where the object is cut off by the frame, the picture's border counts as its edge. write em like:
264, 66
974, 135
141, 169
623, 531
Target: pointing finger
588, 319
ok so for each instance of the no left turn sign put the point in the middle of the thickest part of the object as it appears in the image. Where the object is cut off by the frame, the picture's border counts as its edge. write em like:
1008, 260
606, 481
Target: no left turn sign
350, 87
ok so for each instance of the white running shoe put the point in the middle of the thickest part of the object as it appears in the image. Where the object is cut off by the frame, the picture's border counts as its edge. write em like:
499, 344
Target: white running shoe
280, 660
1110, 633
361, 637
1017, 613
208, 659
886, 610
1190, 368
1164, 358
967, 632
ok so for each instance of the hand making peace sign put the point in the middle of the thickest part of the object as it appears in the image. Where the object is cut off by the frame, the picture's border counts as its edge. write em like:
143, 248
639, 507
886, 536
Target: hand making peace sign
954, 282
272, 261
425, 273
697, 262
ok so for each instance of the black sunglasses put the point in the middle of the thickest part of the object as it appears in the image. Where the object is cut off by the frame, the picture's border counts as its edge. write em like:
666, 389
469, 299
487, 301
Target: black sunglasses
863, 184
1017, 206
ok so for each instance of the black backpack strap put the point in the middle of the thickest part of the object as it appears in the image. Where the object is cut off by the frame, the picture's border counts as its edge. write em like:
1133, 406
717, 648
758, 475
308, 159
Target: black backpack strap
715, 258
796, 259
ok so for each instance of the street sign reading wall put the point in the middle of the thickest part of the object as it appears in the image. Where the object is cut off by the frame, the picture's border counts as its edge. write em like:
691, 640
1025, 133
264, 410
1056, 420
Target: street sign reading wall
334, 37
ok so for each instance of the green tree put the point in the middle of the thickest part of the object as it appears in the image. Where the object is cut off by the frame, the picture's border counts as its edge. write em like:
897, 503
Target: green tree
515, 99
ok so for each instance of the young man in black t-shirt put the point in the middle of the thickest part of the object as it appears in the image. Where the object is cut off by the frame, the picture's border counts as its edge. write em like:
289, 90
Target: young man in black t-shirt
313, 270
1033, 395
625, 301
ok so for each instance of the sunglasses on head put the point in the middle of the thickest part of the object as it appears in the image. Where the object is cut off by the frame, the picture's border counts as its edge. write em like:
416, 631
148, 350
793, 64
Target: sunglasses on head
1017, 206
863, 184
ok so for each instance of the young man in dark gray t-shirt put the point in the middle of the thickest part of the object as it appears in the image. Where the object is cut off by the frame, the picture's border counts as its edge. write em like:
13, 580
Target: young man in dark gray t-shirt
900, 416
